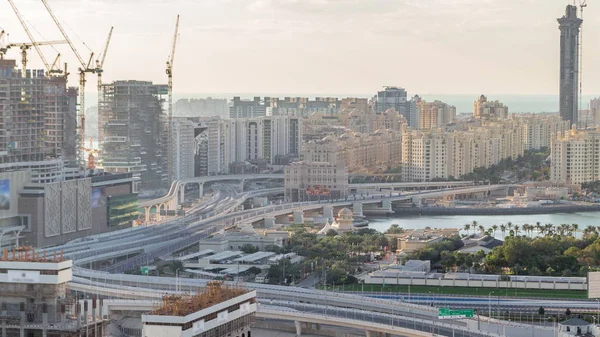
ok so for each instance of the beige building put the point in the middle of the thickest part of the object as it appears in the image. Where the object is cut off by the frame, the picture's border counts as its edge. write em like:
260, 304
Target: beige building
435, 114
375, 152
315, 180
576, 157
431, 154
482, 108
417, 239
539, 129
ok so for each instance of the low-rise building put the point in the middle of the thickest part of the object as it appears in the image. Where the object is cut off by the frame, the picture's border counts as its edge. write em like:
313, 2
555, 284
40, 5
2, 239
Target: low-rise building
315, 180
415, 239
235, 241
218, 311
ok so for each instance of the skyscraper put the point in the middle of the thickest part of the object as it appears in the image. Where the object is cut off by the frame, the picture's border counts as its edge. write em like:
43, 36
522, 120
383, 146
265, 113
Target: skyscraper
569, 26
391, 98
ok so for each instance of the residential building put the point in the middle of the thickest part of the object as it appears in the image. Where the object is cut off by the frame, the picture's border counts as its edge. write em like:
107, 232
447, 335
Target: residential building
484, 109
247, 108
391, 98
302, 106
388, 120
576, 157
375, 152
134, 131
218, 311
413, 112
315, 180
434, 114
184, 148
424, 155
539, 130
201, 107
414, 239
569, 25
595, 111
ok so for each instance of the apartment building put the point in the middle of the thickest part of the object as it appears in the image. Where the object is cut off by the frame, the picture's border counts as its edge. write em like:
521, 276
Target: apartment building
360, 153
391, 98
434, 114
308, 180
247, 108
184, 148
539, 130
424, 155
576, 156
484, 109
135, 131
302, 106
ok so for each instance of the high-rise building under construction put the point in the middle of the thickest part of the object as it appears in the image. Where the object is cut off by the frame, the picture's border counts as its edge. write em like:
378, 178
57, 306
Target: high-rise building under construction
38, 127
569, 26
133, 131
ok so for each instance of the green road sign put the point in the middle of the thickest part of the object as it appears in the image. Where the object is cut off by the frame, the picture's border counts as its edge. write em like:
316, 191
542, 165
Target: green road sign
144, 270
445, 313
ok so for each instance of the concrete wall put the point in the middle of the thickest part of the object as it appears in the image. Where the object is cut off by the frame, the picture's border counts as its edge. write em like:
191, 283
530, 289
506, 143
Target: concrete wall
476, 283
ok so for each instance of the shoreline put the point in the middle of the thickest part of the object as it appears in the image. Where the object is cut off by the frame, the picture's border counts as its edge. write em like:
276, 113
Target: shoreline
496, 211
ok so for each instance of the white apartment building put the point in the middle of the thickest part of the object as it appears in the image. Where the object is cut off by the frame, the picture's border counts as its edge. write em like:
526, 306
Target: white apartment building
184, 148
576, 157
434, 114
539, 130
482, 108
424, 155
314, 180
269, 138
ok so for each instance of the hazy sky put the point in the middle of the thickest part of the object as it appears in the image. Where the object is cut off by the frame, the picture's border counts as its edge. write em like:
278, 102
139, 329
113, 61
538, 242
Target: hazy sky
321, 46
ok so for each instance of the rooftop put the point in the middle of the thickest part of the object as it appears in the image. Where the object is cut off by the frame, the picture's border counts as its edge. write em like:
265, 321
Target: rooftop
28, 254
214, 293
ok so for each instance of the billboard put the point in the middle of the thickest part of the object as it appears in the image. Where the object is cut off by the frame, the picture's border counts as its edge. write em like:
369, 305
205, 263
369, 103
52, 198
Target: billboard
122, 209
24, 276
4, 194
98, 197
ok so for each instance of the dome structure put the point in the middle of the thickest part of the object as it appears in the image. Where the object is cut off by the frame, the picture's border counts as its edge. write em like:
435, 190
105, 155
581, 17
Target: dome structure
248, 230
345, 213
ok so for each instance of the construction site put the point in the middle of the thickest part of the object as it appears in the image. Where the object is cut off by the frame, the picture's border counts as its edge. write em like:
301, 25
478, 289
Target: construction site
216, 311
35, 301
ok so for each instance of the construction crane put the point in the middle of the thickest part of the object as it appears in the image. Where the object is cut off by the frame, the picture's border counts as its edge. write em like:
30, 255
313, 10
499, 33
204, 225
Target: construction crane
83, 69
170, 88
100, 64
25, 46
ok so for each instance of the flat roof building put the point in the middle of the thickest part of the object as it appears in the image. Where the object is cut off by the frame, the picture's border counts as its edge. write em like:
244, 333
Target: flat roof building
218, 311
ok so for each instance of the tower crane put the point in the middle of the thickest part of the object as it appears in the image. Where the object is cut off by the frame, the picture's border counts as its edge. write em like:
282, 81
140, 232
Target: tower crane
169, 72
25, 46
83, 69
100, 63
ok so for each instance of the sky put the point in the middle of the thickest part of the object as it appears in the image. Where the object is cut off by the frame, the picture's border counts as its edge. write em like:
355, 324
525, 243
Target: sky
319, 46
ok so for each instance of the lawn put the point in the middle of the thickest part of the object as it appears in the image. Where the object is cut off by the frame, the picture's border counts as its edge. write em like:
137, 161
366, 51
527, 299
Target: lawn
554, 294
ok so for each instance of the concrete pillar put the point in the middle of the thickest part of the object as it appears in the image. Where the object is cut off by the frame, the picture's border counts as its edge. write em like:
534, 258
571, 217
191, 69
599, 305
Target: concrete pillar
416, 201
368, 333
242, 185
298, 217
269, 222
181, 193
387, 205
328, 212
200, 190
318, 326
357, 208
158, 206
147, 213
298, 325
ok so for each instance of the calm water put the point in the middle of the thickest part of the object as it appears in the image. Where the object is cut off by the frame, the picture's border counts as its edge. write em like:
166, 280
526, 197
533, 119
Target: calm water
458, 221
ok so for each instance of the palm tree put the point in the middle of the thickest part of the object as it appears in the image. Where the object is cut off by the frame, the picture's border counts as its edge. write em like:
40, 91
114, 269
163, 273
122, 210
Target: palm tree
503, 230
526, 229
481, 229
509, 225
467, 227
494, 228
474, 225
575, 228
539, 228
549, 229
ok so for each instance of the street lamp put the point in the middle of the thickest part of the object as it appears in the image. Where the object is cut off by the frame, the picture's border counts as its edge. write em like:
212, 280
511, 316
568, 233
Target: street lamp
490, 305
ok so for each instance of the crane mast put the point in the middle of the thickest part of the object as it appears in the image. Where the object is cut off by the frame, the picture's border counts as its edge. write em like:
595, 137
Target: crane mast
170, 102
84, 68
100, 64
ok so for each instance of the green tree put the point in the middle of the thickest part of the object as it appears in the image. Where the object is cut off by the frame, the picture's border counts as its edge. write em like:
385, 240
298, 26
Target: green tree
254, 270
249, 249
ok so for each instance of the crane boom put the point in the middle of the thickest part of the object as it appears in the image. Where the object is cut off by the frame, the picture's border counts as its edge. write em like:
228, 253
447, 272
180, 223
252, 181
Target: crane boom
170, 113
64, 34
101, 64
43, 43
31, 38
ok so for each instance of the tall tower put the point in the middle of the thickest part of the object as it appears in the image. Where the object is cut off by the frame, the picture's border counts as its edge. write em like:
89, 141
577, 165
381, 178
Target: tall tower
569, 26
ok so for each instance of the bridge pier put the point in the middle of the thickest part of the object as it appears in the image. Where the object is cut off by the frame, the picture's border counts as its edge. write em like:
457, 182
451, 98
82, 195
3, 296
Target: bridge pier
200, 190
242, 185
328, 212
147, 213
269, 222
357, 208
387, 205
158, 207
369, 334
416, 201
298, 217
181, 193
298, 325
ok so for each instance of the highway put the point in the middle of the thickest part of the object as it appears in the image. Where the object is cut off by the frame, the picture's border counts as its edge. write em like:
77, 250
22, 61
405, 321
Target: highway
101, 260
